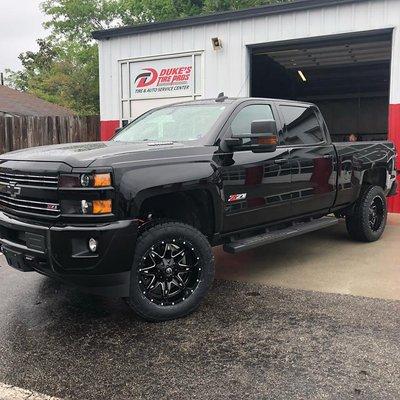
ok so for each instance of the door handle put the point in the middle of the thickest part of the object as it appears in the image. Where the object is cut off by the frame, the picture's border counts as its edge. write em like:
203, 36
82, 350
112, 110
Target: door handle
327, 156
280, 161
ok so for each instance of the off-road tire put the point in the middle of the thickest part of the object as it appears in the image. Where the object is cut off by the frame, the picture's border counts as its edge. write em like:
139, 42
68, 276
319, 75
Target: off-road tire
168, 232
359, 222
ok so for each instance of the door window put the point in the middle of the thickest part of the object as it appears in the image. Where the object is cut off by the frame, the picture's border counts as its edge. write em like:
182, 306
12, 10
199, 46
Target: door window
301, 125
242, 122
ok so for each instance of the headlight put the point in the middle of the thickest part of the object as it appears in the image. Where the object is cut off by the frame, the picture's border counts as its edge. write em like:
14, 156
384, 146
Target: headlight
101, 206
69, 181
101, 180
85, 180
86, 207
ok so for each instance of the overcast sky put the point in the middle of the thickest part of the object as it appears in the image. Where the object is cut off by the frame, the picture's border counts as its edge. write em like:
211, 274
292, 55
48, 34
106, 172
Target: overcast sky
20, 26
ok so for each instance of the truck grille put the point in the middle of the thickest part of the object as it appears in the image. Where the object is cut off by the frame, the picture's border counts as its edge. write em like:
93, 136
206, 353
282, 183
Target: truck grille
29, 194
29, 180
31, 206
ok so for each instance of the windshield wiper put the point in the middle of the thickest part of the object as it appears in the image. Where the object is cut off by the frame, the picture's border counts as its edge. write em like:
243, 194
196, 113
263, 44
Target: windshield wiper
159, 143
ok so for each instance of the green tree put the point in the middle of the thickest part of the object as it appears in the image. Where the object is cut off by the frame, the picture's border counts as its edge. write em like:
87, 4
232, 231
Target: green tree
64, 73
144, 11
33, 63
227, 5
76, 19
64, 70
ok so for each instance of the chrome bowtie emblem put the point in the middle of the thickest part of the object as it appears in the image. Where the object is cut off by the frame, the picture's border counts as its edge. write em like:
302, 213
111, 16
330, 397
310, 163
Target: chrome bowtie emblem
12, 189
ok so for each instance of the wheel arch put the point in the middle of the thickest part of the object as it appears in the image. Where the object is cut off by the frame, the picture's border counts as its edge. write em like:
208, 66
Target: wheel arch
196, 207
377, 176
192, 183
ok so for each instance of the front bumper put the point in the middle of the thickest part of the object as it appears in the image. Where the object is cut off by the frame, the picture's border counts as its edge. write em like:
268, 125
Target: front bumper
61, 251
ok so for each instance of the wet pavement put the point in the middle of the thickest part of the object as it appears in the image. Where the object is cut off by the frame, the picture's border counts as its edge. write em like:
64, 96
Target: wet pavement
247, 341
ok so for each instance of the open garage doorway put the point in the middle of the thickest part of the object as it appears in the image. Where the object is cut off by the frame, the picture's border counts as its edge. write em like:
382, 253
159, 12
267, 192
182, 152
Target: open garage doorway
347, 76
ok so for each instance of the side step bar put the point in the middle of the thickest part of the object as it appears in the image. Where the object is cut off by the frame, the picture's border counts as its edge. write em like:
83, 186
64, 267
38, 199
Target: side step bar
282, 234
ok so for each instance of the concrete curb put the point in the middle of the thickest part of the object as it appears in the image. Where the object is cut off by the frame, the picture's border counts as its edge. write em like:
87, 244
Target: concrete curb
8, 392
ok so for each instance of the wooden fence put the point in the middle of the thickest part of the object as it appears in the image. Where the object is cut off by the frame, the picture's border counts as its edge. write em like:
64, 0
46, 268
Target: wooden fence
21, 132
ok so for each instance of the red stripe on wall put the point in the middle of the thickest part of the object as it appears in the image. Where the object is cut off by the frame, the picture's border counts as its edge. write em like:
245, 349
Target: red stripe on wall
394, 136
107, 129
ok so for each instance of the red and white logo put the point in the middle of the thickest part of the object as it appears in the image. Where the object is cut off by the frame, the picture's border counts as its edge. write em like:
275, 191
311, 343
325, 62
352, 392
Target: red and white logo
237, 197
165, 77
146, 78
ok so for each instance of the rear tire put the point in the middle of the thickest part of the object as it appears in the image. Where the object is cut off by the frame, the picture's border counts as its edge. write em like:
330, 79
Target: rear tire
368, 221
173, 270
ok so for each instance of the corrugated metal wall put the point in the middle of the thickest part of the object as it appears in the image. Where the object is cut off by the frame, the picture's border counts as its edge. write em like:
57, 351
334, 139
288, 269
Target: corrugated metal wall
228, 69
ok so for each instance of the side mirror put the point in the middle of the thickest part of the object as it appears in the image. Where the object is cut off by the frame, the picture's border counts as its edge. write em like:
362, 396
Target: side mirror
262, 139
261, 127
264, 136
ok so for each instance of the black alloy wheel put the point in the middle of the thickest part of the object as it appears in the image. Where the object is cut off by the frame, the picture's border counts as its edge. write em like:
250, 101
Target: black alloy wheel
368, 220
376, 213
172, 272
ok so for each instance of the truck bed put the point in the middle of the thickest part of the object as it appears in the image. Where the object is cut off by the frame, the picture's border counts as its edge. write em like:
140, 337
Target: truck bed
354, 159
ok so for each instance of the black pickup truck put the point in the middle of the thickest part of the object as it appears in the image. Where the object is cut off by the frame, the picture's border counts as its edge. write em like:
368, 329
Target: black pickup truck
136, 216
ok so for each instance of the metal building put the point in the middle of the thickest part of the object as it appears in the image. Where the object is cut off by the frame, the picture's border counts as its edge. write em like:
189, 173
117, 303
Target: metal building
343, 55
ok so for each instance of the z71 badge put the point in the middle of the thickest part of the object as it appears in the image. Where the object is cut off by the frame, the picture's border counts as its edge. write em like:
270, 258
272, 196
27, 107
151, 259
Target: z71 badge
237, 197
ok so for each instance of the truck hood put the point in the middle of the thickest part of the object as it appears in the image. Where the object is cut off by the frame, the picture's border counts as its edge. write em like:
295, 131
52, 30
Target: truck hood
82, 155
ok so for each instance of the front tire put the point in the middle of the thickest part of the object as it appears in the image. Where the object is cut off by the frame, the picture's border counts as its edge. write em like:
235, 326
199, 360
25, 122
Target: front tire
173, 270
368, 221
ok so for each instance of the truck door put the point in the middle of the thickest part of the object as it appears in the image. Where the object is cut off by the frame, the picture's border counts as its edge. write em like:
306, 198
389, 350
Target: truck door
256, 186
312, 158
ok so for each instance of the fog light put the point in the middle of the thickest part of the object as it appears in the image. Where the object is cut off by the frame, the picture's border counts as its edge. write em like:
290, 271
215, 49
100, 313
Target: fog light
92, 245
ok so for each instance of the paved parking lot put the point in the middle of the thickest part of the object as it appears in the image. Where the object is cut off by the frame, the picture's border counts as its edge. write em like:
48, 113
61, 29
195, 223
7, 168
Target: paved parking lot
249, 340
325, 261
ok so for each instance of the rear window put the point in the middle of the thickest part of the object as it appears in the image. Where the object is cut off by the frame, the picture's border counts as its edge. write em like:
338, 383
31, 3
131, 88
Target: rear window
301, 125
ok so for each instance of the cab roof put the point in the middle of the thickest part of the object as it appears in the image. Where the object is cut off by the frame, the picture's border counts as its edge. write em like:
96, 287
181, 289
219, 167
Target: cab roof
238, 100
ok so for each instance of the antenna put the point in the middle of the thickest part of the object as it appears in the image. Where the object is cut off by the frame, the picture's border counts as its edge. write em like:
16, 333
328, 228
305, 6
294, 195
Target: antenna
221, 98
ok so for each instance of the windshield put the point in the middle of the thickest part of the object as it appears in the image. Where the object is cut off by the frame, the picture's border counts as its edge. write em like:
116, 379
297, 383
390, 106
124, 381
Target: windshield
176, 123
